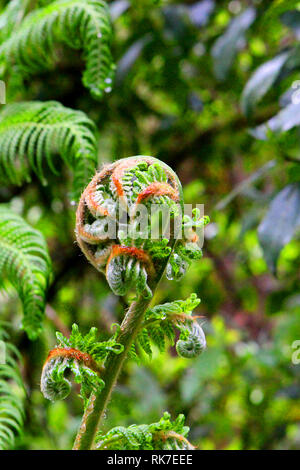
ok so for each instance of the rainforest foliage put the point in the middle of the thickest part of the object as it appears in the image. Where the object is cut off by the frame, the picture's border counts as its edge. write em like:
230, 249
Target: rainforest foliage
211, 89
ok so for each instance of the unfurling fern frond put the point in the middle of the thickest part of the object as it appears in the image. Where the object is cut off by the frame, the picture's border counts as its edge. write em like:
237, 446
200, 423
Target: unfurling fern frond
25, 262
84, 356
164, 435
33, 133
159, 324
77, 24
130, 257
12, 393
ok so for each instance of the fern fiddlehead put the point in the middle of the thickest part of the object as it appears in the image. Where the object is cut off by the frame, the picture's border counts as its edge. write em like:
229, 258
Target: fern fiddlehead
132, 261
192, 343
75, 23
84, 356
128, 261
160, 322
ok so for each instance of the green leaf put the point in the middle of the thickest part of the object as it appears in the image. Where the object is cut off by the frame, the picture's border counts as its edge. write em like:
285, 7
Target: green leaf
261, 81
226, 47
280, 223
25, 262
285, 120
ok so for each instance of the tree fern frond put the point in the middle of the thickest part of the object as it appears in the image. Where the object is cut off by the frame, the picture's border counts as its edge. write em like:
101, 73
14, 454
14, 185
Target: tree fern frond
33, 133
25, 262
157, 436
11, 394
77, 24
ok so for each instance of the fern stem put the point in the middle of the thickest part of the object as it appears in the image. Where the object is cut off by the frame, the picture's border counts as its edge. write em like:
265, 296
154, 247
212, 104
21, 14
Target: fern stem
145, 280
98, 401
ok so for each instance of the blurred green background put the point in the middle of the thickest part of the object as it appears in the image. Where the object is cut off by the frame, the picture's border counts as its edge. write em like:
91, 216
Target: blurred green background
181, 71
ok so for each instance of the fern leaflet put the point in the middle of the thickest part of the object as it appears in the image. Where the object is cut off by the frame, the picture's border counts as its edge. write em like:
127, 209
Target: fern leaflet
10, 17
83, 355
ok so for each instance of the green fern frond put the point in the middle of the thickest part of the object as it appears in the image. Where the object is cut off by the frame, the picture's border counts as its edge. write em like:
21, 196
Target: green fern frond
157, 436
33, 133
10, 17
11, 393
78, 24
25, 262
160, 322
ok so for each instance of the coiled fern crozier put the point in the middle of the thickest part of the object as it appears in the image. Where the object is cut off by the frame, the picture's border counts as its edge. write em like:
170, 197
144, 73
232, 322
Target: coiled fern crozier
78, 24
83, 355
32, 134
109, 233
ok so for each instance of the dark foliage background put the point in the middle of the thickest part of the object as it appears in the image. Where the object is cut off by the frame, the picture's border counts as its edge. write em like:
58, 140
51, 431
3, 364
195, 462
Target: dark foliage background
181, 71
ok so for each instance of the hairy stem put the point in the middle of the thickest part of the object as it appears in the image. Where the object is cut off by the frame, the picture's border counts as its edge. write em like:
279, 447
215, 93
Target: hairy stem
98, 401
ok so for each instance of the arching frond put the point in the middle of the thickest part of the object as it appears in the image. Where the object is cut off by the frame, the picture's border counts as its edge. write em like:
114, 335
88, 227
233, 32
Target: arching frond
33, 133
75, 23
25, 262
11, 393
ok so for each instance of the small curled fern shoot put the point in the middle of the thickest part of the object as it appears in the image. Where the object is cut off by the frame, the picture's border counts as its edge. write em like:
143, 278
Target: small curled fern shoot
25, 262
164, 435
160, 322
78, 24
32, 134
192, 341
84, 356
187, 249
